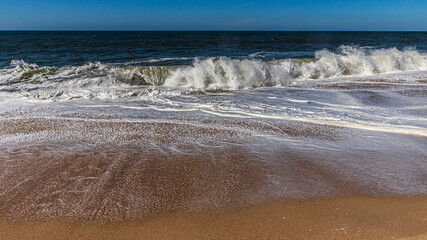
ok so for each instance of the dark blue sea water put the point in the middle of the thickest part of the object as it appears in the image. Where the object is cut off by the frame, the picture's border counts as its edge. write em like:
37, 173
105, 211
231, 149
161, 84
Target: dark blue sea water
61, 48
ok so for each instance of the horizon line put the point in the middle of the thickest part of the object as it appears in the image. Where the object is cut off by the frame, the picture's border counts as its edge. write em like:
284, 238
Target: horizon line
160, 30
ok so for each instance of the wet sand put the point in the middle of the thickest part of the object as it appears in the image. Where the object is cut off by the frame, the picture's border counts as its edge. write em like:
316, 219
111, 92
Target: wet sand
82, 177
354, 217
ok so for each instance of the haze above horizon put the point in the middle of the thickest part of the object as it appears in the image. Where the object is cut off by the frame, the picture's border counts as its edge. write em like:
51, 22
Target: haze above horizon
306, 15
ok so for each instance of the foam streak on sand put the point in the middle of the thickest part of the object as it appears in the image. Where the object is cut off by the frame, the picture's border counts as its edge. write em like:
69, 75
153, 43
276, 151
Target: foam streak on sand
91, 167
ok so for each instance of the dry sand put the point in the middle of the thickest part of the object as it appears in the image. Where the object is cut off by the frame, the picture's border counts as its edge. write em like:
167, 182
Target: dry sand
355, 217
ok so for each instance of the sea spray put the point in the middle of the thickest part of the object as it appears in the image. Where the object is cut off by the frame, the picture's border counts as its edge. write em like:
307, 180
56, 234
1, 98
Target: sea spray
242, 74
222, 73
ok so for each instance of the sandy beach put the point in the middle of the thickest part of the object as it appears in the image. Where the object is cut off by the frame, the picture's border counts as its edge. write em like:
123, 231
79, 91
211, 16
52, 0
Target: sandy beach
353, 217
98, 177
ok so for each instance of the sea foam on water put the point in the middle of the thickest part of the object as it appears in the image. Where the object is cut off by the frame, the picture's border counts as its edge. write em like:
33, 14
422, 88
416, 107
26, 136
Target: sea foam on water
98, 80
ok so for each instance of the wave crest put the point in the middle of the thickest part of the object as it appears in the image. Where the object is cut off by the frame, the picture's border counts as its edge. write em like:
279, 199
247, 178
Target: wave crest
97, 80
242, 74
222, 73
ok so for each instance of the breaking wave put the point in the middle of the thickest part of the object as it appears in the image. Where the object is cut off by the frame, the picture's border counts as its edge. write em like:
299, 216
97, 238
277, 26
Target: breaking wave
238, 74
97, 80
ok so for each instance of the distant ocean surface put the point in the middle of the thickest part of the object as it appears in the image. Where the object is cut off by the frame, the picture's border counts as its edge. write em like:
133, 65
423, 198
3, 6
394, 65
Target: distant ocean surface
121, 125
71, 48
200, 60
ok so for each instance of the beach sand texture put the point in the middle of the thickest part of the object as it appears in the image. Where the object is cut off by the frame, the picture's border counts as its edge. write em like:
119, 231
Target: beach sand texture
356, 217
92, 186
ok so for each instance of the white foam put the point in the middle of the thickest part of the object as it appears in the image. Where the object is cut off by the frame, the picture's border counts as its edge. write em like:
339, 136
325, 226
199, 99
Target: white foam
221, 73
102, 81
227, 73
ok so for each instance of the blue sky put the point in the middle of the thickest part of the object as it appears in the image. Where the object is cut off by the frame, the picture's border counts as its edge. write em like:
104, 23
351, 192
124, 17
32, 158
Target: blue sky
374, 15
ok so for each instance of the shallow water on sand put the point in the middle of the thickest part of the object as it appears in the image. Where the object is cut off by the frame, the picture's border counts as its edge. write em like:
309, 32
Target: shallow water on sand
123, 139
131, 158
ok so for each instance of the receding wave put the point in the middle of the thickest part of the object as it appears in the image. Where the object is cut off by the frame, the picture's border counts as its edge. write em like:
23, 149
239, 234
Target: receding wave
98, 80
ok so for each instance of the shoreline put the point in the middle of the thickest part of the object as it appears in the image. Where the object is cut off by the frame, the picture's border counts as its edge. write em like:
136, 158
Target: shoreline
83, 175
84, 171
350, 217
227, 136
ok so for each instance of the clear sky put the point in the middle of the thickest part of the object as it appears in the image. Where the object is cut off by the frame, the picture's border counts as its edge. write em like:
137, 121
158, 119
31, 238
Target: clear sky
404, 15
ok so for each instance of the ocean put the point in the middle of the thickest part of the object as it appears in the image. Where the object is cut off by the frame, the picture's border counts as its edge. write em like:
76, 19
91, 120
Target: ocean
123, 125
